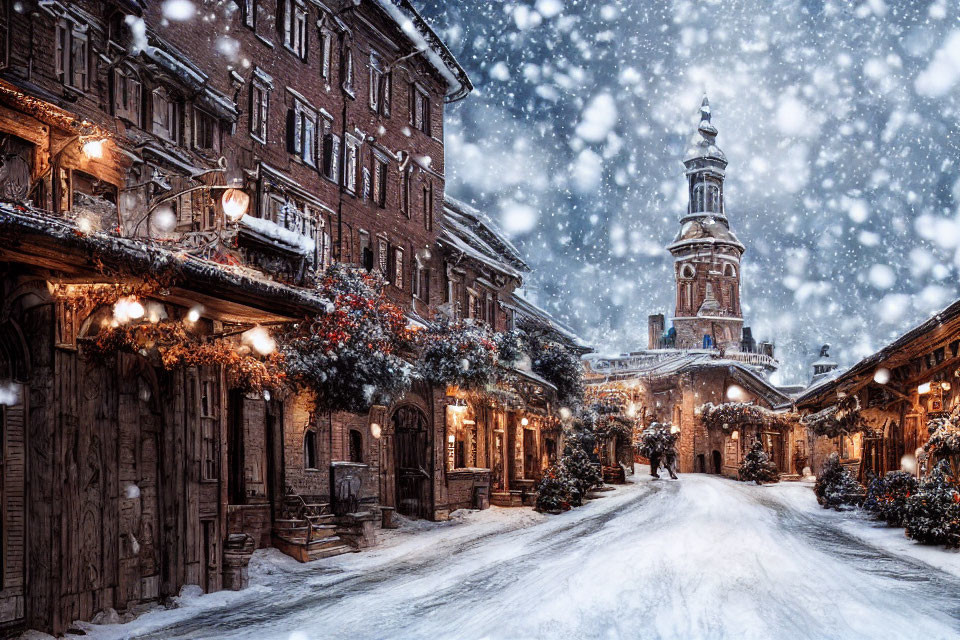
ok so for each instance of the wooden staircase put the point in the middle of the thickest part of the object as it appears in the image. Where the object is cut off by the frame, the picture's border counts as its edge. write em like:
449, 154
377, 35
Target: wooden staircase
307, 531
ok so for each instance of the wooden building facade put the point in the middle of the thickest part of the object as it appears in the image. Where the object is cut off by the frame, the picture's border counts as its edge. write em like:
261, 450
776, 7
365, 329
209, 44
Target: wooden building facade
895, 390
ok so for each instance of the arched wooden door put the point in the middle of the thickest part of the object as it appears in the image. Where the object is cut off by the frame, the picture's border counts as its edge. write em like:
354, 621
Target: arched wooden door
412, 450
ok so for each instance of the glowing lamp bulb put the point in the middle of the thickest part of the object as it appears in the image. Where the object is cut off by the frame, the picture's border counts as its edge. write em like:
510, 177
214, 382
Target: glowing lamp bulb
945, 386
93, 149
674, 429
193, 315
924, 388
735, 435
524, 421
881, 375
135, 310
375, 430
451, 438
235, 203
260, 341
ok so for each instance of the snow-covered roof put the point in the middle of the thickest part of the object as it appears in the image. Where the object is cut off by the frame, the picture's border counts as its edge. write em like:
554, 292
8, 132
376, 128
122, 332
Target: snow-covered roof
949, 314
470, 232
64, 246
663, 363
706, 228
189, 76
433, 49
532, 312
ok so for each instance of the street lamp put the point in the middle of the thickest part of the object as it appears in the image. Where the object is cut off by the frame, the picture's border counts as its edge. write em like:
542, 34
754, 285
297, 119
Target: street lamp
235, 203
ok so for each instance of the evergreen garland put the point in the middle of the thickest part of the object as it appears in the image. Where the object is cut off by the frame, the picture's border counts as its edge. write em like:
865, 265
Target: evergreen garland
757, 466
836, 488
932, 514
843, 420
559, 366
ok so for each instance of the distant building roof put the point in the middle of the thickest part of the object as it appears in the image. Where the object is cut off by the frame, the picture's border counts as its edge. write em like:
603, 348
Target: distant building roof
663, 363
534, 314
950, 314
471, 233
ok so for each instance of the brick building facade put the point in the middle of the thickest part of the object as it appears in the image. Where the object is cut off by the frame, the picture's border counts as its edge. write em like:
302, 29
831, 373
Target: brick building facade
245, 149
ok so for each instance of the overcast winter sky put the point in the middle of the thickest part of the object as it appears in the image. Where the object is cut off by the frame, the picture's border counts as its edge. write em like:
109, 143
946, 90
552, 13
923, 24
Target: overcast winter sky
839, 119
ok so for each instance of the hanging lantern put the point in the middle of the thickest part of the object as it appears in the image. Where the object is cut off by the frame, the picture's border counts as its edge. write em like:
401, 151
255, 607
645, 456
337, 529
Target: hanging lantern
235, 203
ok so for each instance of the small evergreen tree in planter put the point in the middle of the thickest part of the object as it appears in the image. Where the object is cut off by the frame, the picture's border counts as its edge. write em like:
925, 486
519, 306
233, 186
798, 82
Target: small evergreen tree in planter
580, 470
757, 467
461, 354
553, 490
836, 488
932, 514
348, 356
887, 496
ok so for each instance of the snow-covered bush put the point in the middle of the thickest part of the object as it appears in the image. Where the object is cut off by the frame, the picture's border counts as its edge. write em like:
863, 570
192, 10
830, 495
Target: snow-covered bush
461, 354
348, 356
553, 490
932, 514
511, 346
657, 439
836, 488
757, 466
887, 496
561, 367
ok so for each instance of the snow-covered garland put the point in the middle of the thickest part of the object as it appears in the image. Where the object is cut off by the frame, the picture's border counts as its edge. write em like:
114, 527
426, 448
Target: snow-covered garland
560, 366
732, 416
843, 419
348, 356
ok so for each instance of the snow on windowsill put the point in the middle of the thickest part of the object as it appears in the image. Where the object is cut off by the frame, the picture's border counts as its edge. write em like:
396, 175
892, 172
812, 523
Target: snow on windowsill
271, 230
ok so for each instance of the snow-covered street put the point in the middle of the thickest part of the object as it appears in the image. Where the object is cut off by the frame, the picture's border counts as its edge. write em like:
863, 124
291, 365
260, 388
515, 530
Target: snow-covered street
704, 557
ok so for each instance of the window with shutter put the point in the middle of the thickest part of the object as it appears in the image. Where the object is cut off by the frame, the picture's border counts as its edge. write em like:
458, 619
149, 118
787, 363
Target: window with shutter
398, 268
351, 159
380, 170
331, 156
348, 70
383, 256
326, 50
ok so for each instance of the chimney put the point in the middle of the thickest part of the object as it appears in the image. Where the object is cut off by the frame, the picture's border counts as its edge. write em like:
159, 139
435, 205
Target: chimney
656, 324
747, 343
823, 366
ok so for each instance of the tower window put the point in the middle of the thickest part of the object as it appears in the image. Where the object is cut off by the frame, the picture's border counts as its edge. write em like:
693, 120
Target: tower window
687, 271
729, 270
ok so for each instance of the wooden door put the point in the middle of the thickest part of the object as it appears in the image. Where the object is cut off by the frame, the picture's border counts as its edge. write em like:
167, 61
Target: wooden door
773, 445
529, 453
412, 447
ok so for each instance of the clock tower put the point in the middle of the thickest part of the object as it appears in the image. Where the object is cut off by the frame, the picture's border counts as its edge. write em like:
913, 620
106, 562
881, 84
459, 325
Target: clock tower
706, 252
